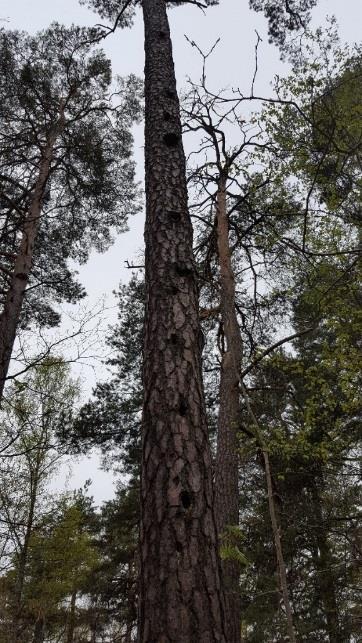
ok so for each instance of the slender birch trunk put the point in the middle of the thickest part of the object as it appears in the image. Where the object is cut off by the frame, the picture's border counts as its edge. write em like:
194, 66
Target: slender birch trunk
9, 319
227, 473
180, 587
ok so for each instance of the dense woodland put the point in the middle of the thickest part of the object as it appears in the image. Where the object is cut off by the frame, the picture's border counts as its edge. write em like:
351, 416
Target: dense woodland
230, 412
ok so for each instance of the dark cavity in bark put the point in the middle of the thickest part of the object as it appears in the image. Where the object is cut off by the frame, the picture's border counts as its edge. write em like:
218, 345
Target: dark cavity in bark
171, 139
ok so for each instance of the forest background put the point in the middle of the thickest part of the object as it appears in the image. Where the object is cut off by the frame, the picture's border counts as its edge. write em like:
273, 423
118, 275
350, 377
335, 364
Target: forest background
232, 65
310, 424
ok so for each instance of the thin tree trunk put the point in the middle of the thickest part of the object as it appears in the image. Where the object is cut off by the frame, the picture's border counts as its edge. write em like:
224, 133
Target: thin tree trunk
278, 548
9, 319
227, 473
180, 587
273, 518
71, 621
323, 562
23, 560
39, 630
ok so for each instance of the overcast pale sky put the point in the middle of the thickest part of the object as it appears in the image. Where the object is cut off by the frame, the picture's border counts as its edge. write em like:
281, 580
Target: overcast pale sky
231, 65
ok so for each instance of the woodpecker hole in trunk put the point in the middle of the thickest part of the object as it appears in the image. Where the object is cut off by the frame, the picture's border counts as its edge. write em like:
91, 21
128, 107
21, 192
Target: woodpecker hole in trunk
183, 407
174, 215
179, 548
167, 116
185, 499
184, 271
173, 338
171, 139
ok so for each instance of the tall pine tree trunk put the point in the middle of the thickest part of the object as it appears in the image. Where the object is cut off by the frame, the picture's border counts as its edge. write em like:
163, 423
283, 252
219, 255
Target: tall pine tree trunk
226, 476
180, 587
9, 319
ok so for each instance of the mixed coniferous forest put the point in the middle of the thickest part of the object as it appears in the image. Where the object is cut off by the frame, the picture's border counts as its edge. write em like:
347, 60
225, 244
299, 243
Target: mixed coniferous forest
230, 412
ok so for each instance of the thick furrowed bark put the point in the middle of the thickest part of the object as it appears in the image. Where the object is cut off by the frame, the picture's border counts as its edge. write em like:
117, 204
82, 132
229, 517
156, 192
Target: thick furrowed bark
180, 591
227, 475
10, 316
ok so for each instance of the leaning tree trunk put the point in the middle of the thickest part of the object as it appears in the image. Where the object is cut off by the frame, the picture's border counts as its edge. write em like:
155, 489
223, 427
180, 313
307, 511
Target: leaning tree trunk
180, 589
9, 319
226, 476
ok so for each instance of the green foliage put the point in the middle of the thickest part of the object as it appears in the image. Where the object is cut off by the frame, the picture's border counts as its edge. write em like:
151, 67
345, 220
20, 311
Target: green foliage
231, 540
62, 556
122, 11
284, 16
318, 129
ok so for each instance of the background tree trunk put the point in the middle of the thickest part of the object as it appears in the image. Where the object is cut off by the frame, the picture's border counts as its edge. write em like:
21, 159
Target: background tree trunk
273, 517
71, 622
39, 630
23, 559
180, 586
227, 473
9, 319
324, 562
278, 548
